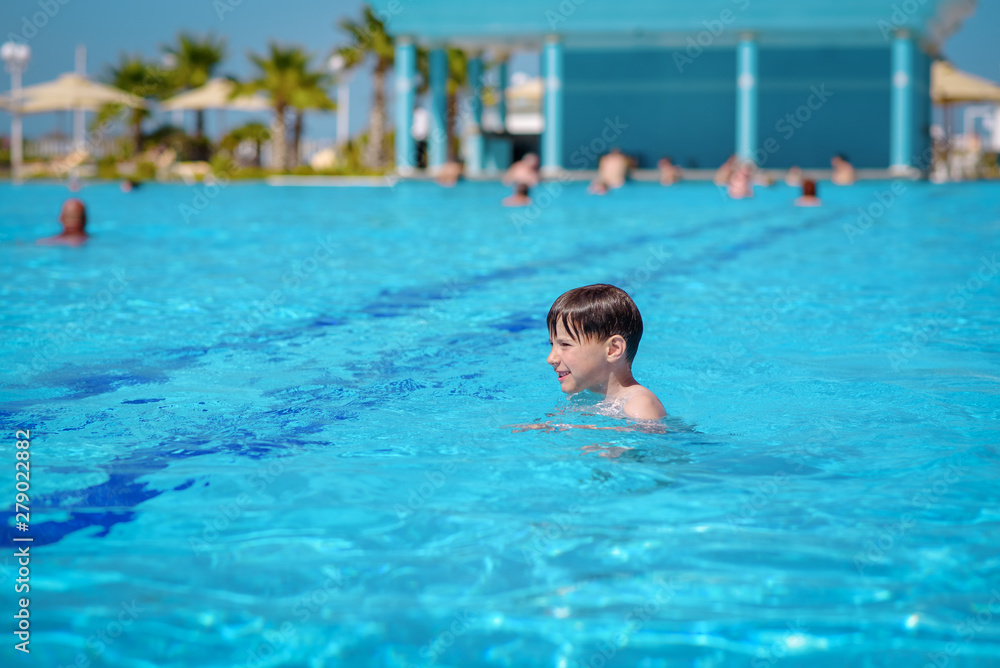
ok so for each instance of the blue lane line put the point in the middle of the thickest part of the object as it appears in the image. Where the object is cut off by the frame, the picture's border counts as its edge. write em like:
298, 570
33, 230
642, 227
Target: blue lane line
122, 490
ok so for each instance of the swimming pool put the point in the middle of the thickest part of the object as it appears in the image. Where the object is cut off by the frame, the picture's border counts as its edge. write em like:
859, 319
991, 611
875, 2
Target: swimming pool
275, 431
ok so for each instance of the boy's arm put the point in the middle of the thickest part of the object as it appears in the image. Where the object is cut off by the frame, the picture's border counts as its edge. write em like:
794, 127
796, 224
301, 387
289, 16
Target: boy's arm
557, 426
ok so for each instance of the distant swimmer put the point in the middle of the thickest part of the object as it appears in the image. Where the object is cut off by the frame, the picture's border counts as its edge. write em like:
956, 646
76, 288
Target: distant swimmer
449, 174
809, 196
794, 177
725, 171
669, 172
740, 184
612, 169
523, 175
523, 171
519, 198
843, 171
74, 221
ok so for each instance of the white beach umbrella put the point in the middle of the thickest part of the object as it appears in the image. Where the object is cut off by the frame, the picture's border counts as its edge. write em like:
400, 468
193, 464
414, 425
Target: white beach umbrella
950, 85
69, 92
216, 94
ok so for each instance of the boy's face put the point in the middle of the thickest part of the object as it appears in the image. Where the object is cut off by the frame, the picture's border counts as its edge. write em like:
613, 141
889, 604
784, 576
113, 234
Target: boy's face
581, 364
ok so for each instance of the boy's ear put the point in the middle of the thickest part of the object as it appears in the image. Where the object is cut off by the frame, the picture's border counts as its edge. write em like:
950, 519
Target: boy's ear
616, 348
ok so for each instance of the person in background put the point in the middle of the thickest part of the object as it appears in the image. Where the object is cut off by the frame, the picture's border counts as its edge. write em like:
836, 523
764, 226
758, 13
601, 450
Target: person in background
740, 184
725, 172
612, 169
523, 171
669, 172
843, 171
449, 174
809, 197
794, 177
519, 198
74, 221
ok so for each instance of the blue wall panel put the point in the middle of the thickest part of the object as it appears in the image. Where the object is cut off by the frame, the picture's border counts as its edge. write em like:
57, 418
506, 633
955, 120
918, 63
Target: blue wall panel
853, 119
689, 115
922, 110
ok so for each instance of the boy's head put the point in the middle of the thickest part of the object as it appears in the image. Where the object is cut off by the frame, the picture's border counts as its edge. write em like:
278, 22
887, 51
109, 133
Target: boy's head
592, 328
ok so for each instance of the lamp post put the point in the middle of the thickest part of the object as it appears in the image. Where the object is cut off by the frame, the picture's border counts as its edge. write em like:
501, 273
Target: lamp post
338, 66
79, 118
169, 62
15, 57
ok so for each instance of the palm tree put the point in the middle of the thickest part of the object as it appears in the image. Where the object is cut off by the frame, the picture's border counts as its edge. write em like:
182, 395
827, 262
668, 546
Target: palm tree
280, 75
458, 75
143, 80
194, 63
369, 37
310, 94
255, 132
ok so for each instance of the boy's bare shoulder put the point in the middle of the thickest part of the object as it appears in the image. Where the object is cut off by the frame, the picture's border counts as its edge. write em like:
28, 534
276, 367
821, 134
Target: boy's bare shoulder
643, 405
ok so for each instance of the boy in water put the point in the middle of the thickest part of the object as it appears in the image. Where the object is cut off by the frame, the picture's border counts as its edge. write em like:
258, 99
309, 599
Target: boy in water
594, 332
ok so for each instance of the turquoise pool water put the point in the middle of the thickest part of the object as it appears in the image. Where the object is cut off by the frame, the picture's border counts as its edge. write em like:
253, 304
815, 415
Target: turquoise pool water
277, 431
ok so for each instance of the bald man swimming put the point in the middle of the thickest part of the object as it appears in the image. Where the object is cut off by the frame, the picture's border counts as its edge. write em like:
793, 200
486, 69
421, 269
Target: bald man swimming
74, 221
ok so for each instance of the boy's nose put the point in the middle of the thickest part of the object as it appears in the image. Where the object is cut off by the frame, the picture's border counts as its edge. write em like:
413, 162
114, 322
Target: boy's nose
552, 359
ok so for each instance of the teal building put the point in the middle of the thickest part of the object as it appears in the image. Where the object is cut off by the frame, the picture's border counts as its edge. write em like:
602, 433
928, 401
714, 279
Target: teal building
780, 82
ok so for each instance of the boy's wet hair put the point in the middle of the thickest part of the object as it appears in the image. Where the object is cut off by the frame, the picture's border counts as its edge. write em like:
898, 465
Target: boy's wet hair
598, 312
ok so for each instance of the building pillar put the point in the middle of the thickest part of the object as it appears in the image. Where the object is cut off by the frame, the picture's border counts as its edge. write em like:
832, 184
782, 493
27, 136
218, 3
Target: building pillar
406, 73
746, 98
475, 144
79, 115
437, 136
502, 93
552, 134
901, 105
16, 128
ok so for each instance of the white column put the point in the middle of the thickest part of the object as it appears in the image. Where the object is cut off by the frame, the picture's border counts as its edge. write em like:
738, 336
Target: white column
15, 56
79, 117
746, 98
406, 72
552, 133
901, 104
16, 136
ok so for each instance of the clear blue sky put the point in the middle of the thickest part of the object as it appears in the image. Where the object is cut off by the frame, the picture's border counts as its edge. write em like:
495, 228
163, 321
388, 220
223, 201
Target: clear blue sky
112, 27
